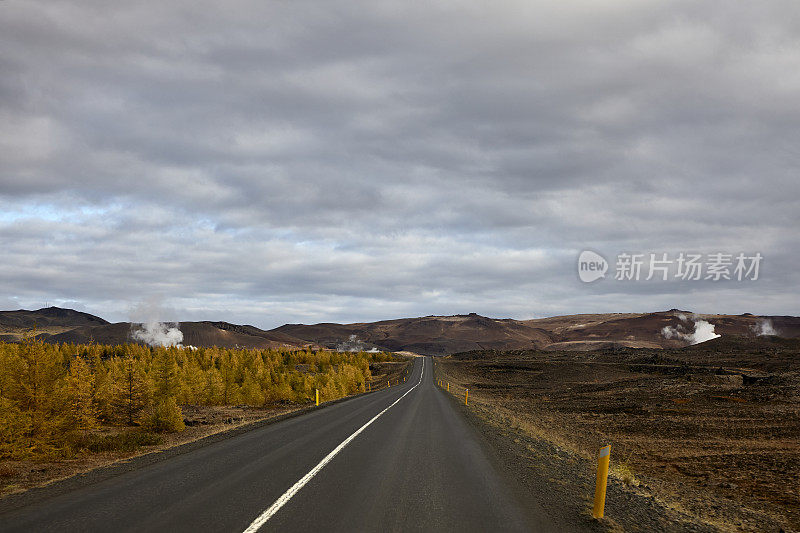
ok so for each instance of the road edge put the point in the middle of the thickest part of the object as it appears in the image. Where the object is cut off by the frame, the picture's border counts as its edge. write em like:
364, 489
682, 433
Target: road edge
499, 452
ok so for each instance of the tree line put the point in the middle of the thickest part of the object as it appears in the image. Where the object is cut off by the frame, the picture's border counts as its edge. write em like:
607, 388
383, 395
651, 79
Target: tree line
53, 395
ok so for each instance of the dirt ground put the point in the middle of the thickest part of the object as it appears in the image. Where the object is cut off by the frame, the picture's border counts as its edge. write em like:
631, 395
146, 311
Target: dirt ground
201, 422
712, 433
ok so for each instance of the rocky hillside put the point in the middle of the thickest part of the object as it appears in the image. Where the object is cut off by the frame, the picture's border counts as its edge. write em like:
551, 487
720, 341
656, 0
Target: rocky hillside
430, 335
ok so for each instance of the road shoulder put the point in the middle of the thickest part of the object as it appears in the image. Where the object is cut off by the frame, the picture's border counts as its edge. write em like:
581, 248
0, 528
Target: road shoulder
561, 483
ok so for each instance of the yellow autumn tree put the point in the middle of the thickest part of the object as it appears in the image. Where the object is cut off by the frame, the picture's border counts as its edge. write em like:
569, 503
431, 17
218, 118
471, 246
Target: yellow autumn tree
81, 412
164, 414
35, 373
251, 392
129, 390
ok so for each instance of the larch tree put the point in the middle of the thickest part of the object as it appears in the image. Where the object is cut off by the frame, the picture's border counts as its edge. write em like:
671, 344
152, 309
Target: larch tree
129, 389
35, 376
81, 410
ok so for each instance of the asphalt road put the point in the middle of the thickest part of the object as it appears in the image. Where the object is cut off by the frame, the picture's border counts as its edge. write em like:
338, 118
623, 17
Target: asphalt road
416, 466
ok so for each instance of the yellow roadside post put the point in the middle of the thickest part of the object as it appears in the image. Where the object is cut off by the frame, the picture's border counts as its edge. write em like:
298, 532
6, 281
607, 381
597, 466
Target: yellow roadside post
603, 458
466, 395
317, 394
448, 386
388, 384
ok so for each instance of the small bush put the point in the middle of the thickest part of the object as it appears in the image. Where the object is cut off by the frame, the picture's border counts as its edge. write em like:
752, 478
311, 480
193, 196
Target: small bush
625, 473
165, 416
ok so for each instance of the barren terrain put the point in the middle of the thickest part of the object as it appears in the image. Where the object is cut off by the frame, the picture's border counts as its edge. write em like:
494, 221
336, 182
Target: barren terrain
712, 430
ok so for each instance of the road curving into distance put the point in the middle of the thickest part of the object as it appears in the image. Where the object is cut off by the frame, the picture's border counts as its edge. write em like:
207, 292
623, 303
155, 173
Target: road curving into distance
400, 459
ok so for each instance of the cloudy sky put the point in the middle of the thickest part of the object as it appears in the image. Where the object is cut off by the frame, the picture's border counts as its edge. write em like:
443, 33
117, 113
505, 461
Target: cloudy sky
343, 160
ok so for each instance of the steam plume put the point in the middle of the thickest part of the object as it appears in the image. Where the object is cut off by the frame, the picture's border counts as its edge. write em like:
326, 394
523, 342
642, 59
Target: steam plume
157, 333
764, 327
354, 345
148, 327
703, 331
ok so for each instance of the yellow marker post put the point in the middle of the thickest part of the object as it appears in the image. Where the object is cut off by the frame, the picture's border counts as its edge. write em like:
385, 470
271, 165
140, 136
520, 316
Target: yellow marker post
466, 395
603, 458
448, 386
388, 384
317, 391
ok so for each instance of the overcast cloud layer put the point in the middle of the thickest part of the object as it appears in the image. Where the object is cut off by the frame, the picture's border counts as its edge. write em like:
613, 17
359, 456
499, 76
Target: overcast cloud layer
298, 161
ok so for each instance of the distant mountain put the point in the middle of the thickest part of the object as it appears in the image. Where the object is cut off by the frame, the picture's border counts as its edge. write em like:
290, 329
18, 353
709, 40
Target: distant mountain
204, 333
54, 324
439, 335
429, 335
48, 316
47, 321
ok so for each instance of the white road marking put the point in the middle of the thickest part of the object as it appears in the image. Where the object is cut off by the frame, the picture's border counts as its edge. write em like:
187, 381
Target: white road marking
283, 500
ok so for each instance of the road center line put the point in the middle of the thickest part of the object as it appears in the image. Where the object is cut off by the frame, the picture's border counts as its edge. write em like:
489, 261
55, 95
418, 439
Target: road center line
284, 499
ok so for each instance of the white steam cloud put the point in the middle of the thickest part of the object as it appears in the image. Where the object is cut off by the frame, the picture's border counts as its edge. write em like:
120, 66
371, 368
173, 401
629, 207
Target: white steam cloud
703, 331
156, 333
147, 325
764, 327
354, 345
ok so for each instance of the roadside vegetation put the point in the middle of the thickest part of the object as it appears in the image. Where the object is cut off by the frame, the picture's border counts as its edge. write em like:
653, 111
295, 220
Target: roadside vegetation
55, 398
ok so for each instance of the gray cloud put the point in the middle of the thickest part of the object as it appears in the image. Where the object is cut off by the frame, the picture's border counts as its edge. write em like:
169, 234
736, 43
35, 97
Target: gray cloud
354, 160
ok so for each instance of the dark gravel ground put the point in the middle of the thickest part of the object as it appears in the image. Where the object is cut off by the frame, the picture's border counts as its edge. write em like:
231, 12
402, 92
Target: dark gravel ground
701, 446
562, 483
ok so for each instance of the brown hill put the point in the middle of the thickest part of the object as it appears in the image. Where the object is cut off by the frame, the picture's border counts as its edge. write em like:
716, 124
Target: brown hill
54, 324
437, 335
430, 335
232, 335
205, 334
49, 316
645, 330
49, 320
